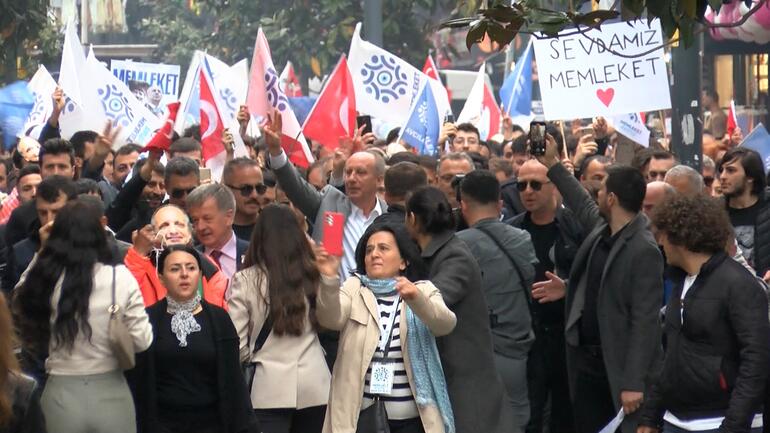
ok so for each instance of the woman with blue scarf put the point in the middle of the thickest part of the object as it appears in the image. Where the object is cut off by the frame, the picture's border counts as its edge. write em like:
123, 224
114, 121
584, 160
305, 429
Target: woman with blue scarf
387, 354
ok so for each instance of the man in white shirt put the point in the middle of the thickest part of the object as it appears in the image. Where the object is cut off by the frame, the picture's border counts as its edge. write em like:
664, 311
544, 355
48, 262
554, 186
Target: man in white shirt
212, 210
363, 173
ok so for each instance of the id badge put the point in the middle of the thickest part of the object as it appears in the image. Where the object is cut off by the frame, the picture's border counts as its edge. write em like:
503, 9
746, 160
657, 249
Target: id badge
381, 380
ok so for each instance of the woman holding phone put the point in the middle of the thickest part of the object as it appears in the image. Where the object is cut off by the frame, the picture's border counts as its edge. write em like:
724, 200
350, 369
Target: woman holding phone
387, 359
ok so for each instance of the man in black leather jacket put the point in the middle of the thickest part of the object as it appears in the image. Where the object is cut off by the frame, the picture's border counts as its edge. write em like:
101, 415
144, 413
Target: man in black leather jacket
716, 326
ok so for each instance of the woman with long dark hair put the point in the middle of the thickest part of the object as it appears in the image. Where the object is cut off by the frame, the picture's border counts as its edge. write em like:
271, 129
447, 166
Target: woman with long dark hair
20, 410
63, 303
476, 390
189, 380
387, 364
275, 295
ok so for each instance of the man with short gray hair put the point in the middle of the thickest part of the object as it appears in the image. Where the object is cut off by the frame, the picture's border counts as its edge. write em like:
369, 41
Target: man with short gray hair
212, 210
685, 180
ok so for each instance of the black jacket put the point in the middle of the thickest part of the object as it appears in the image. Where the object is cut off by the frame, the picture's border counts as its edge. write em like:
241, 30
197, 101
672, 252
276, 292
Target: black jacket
125, 213
511, 199
762, 237
568, 241
716, 362
234, 403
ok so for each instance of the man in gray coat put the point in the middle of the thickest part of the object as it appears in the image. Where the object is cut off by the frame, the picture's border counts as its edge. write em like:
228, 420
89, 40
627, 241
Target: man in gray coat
613, 332
363, 173
506, 258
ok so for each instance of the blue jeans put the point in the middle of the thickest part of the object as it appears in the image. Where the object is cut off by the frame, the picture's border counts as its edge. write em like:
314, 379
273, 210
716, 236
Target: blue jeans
670, 428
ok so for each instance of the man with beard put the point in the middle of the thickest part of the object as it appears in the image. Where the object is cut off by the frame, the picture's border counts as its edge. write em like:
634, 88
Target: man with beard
138, 199
612, 326
742, 176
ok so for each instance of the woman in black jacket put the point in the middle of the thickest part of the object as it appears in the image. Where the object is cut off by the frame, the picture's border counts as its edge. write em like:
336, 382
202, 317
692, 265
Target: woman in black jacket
479, 400
190, 379
716, 325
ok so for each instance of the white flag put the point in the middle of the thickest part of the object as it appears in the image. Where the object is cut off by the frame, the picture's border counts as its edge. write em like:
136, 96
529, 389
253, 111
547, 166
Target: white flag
42, 86
474, 105
631, 126
120, 106
189, 112
386, 85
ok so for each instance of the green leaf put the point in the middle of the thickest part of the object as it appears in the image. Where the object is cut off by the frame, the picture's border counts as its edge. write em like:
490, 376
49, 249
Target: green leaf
458, 23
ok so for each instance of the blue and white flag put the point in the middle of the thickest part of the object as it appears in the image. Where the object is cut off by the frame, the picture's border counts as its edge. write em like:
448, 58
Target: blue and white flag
16, 102
42, 86
423, 126
759, 140
516, 92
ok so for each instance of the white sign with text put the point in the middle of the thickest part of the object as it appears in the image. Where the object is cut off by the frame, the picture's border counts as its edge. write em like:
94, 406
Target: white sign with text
581, 77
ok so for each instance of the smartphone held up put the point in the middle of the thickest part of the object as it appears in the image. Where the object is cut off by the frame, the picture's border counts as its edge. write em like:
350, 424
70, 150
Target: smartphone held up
537, 138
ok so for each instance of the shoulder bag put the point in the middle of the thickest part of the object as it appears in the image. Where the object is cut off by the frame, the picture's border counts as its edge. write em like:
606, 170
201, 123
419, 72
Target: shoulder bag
121, 342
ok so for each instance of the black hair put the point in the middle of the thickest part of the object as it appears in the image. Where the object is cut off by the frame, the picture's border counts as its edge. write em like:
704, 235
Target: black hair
269, 178
628, 185
403, 157
177, 247
432, 210
192, 131
604, 160
519, 145
480, 162
79, 140
87, 186
27, 170
181, 166
480, 186
158, 169
468, 127
57, 146
185, 144
409, 251
429, 162
710, 92
76, 243
752, 166
128, 149
404, 177
393, 135
517, 128
54, 186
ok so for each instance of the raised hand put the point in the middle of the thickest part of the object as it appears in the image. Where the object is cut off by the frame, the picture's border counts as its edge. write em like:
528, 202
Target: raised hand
272, 133
406, 289
327, 264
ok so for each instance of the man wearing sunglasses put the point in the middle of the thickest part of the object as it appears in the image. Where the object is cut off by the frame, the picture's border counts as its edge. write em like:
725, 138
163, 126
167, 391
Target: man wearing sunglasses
556, 236
244, 178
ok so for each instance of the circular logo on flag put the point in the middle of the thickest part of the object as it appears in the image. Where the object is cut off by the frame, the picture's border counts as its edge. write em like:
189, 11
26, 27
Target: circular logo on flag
274, 94
384, 78
116, 106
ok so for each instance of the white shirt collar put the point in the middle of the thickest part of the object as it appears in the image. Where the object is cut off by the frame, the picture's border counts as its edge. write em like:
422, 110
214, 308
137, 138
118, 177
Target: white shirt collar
377, 211
230, 249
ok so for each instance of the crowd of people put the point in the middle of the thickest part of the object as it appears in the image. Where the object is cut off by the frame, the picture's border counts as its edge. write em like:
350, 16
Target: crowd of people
492, 288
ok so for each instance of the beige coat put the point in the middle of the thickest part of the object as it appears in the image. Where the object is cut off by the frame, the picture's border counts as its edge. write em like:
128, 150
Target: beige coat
291, 371
353, 311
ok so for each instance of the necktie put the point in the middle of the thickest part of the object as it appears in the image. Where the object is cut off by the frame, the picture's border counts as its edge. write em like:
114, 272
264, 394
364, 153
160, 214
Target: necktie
215, 255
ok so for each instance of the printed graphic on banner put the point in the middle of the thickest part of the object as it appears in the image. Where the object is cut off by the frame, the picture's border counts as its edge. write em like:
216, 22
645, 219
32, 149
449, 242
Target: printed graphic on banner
580, 77
154, 85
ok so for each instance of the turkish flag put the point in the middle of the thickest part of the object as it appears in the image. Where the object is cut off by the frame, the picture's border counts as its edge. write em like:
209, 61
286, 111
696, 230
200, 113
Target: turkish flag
334, 113
290, 82
491, 108
732, 119
430, 69
212, 125
162, 138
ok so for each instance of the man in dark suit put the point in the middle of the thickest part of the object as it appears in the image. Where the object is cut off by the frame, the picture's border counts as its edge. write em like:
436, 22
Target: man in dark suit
612, 328
212, 211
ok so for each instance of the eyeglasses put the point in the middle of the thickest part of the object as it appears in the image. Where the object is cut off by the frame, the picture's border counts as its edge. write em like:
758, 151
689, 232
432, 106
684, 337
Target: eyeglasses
179, 193
246, 190
536, 185
708, 180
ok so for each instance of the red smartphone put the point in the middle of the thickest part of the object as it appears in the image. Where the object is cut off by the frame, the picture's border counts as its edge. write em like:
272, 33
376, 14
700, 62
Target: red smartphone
334, 225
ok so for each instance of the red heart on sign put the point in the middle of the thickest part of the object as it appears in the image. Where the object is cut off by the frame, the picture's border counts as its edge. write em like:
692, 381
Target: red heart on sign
606, 95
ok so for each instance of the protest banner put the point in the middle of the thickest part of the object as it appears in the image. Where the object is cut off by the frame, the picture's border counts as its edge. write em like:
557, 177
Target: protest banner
154, 84
579, 77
